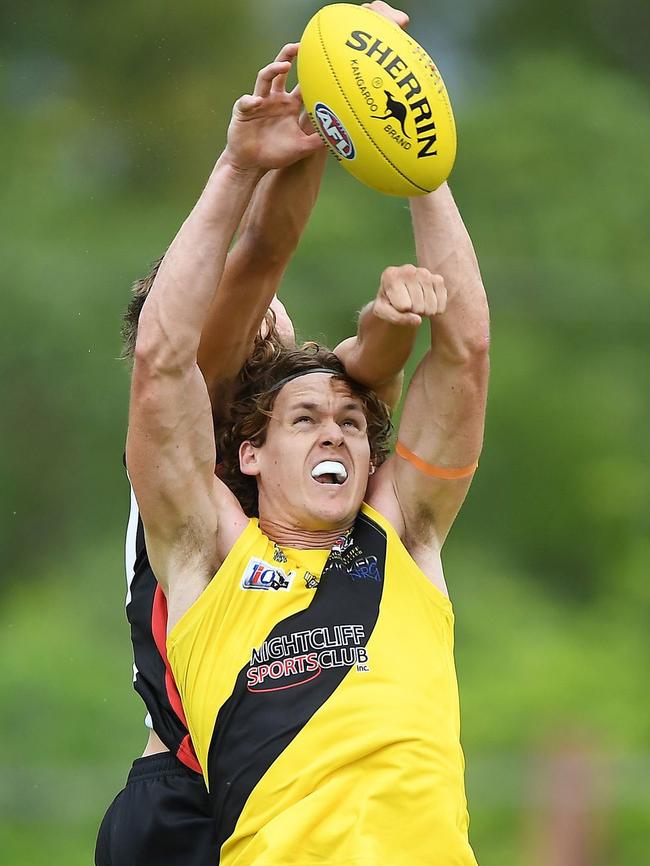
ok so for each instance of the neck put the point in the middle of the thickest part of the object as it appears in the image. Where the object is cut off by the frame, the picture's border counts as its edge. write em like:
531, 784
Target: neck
303, 539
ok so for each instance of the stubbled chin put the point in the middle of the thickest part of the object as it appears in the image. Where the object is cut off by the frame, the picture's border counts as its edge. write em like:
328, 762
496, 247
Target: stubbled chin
332, 510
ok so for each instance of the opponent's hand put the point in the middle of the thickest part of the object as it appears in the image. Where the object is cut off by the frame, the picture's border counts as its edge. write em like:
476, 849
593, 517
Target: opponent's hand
394, 15
408, 294
264, 131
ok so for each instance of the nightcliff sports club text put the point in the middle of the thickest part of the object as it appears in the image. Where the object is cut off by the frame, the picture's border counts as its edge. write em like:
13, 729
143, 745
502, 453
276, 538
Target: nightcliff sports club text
290, 660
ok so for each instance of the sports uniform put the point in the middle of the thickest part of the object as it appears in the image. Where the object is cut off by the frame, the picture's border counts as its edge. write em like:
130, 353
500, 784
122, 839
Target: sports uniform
162, 817
146, 610
321, 697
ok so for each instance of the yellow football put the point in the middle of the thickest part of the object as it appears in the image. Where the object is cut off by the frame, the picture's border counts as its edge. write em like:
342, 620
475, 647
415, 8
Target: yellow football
377, 99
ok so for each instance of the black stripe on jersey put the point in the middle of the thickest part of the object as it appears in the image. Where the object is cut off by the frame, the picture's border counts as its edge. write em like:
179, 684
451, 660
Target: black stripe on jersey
149, 682
150, 679
253, 728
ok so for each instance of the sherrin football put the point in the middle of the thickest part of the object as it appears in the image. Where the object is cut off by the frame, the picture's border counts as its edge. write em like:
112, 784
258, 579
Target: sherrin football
377, 99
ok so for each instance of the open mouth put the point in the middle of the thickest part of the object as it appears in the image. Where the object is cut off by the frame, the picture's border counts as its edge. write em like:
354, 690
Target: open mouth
329, 472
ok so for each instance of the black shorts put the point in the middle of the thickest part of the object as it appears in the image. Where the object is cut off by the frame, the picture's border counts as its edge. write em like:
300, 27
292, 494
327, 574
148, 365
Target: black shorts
161, 818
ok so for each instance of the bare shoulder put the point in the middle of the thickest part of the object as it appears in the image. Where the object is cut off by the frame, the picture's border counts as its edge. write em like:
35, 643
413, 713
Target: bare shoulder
415, 526
232, 521
188, 560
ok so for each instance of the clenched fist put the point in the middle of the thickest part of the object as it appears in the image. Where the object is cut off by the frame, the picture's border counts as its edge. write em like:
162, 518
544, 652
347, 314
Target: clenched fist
408, 294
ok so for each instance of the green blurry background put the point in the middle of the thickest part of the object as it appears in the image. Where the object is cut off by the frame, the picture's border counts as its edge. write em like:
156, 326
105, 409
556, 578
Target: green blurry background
111, 116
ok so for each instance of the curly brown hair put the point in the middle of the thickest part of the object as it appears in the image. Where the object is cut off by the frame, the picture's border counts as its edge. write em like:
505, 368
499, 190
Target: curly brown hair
247, 411
139, 291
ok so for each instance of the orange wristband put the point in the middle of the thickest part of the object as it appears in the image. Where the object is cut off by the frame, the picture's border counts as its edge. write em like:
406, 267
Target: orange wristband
434, 471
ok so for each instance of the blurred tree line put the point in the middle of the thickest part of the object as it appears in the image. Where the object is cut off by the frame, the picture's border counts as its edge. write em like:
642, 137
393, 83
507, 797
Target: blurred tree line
112, 116
115, 115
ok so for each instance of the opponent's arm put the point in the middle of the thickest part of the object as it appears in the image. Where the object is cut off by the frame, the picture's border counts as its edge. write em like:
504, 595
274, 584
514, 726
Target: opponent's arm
269, 234
268, 237
443, 418
170, 444
376, 356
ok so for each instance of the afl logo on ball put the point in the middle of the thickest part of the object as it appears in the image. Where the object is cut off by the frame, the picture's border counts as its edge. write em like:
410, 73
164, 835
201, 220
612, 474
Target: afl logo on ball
335, 133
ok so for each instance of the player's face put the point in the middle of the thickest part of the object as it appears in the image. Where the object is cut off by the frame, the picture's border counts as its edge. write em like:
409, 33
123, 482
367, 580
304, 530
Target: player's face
313, 468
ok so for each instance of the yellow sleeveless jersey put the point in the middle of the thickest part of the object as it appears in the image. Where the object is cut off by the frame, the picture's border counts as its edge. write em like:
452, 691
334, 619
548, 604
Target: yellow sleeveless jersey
320, 692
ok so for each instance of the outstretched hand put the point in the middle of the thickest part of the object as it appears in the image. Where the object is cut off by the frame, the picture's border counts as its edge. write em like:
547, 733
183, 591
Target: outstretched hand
408, 294
264, 131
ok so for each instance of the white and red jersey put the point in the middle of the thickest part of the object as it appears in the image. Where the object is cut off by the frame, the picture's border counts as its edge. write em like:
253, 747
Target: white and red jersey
146, 611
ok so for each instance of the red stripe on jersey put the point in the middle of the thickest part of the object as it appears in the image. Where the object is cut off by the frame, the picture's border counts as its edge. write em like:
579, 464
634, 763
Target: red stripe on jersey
187, 755
186, 752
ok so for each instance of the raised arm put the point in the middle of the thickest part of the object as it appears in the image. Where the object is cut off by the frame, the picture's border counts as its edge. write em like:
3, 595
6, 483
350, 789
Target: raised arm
386, 333
441, 431
268, 237
269, 234
170, 444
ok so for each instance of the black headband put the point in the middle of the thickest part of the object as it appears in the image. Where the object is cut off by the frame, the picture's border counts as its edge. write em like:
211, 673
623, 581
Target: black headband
293, 376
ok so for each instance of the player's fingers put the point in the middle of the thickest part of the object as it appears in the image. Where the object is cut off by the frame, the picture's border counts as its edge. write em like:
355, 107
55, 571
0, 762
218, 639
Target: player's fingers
279, 83
311, 143
395, 15
246, 104
287, 54
395, 286
430, 299
407, 320
407, 279
388, 313
289, 51
266, 76
416, 285
398, 295
440, 288
304, 122
424, 278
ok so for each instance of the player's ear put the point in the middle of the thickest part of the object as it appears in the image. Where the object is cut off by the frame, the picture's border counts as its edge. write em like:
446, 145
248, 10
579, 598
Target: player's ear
248, 462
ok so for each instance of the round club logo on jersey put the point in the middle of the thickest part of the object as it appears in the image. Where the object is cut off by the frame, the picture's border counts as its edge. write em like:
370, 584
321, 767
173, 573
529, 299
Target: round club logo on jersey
334, 132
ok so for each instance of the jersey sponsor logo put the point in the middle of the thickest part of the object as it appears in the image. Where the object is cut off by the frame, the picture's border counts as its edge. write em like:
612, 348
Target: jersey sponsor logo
264, 576
357, 566
291, 660
365, 568
311, 580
